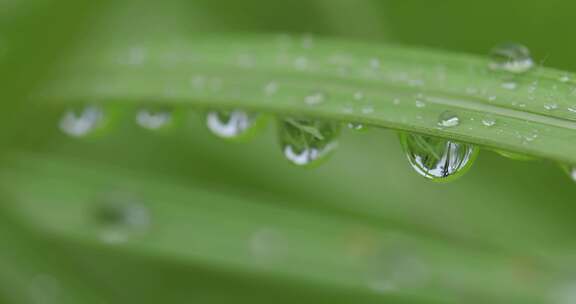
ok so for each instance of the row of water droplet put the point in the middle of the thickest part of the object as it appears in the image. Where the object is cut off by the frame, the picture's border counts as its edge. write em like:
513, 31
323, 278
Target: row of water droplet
303, 141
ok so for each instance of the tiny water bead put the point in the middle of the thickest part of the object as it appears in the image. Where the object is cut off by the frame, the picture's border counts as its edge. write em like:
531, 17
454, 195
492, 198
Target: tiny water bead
356, 126
305, 142
153, 120
511, 57
81, 122
448, 119
489, 121
436, 158
234, 124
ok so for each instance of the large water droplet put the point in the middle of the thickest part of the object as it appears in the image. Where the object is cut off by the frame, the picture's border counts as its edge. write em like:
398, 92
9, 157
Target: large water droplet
80, 123
511, 57
120, 217
448, 119
305, 141
437, 159
153, 120
234, 124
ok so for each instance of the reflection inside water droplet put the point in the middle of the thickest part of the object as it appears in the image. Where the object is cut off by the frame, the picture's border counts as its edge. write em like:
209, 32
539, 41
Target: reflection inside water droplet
233, 124
306, 141
437, 158
80, 123
153, 120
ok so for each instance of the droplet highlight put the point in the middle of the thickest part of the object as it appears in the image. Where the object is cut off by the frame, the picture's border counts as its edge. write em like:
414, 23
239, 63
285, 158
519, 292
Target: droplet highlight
153, 120
82, 122
448, 119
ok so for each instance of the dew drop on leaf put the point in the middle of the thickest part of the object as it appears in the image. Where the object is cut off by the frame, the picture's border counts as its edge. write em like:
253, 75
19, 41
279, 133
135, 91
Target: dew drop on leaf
315, 98
153, 119
448, 119
511, 57
436, 158
305, 142
234, 124
81, 122
489, 121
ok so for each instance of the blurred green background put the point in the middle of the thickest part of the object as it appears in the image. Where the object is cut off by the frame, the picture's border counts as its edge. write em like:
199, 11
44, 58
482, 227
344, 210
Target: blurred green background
184, 217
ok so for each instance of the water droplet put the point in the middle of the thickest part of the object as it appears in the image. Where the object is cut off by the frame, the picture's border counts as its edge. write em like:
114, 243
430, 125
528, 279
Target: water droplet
420, 104
572, 109
571, 170
271, 88
80, 123
120, 217
356, 126
488, 121
305, 142
550, 106
396, 101
565, 78
375, 63
511, 57
359, 96
436, 158
235, 124
301, 63
448, 119
509, 85
315, 98
368, 109
491, 98
153, 120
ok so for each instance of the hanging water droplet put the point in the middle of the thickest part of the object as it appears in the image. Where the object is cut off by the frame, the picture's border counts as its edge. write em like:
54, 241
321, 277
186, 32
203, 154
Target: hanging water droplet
436, 158
80, 123
511, 57
153, 120
119, 217
315, 98
305, 141
448, 119
356, 126
235, 124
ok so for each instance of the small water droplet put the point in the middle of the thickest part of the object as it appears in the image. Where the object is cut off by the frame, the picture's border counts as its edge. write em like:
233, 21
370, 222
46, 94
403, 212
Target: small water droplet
82, 122
420, 104
315, 98
448, 119
572, 109
511, 57
359, 96
375, 63
305, 142
153, 120
301, 63
565, 78
235, 124
489, 121
550, 106
120, 217
491, 98
436, 158
509, 85
357, 126
396, 101
368, 109
271, 88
